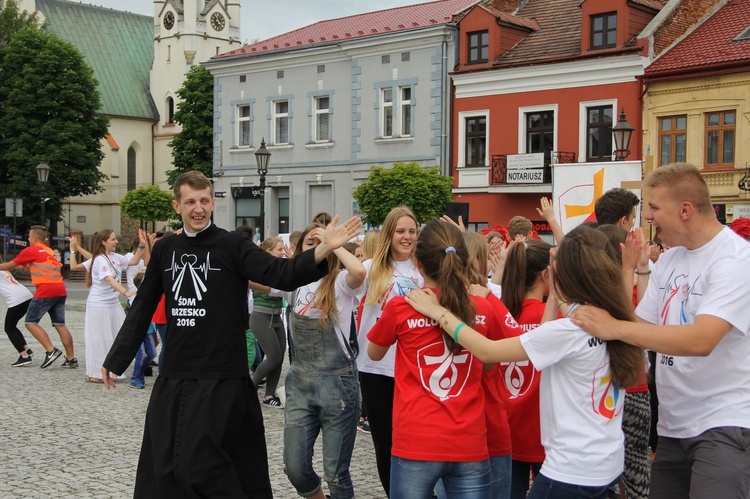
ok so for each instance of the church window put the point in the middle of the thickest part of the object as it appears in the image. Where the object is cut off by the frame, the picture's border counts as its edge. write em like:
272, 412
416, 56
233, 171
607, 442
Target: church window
170, 111
131, 169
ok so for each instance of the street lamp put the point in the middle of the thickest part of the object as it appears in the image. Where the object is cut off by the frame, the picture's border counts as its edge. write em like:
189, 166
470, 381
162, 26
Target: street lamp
42, 173
262, 156
622, 132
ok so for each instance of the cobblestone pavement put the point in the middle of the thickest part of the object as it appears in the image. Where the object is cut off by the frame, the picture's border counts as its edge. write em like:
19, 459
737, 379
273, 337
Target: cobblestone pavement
63, 437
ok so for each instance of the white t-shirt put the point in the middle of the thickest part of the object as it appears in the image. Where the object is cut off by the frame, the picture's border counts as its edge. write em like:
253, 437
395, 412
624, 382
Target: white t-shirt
345, 302
12, 291
133, 270
101, 293
580, 407
699, 393
405, 278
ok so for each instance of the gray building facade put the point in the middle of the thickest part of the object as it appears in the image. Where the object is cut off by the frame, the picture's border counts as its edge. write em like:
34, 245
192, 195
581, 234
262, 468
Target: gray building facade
328, 112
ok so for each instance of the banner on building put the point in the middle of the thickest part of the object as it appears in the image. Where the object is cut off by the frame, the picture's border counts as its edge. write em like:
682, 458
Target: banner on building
577, 186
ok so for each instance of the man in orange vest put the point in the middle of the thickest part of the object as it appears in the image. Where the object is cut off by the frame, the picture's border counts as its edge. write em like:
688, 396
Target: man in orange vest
49, 297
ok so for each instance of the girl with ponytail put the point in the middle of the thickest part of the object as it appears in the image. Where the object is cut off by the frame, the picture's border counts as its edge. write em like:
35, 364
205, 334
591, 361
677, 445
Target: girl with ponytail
525, 285
582, 389
439, 428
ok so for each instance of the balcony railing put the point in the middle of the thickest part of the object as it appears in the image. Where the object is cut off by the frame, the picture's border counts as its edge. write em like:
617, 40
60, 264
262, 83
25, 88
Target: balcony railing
563, 157
500, 165
499, 169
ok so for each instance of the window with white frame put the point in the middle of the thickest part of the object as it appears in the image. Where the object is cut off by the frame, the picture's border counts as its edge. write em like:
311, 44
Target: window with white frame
476, 140
599, 133
386, 112
473, 131
540, 133
281, 122
405, 103
322, 117
243, 125
396, 104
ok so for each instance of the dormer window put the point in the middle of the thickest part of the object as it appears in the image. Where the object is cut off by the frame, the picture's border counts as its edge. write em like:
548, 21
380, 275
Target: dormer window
604, 31
479, 45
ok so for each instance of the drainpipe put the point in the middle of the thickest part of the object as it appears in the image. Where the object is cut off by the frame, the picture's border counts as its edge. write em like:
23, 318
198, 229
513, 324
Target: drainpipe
153, 153
444, 118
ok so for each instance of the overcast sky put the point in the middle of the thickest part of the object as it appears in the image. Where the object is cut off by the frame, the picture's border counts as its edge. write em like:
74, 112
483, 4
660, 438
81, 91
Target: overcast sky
264, 19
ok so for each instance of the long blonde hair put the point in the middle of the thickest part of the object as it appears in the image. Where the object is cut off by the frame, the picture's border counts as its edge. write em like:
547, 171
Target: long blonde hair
382, 267
370, 243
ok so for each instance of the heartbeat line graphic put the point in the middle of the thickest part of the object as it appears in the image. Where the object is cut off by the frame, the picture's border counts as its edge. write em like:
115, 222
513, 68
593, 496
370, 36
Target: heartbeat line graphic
188, 264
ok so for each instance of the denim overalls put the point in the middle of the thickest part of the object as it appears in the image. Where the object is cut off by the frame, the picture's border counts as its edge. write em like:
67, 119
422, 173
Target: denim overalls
322, 392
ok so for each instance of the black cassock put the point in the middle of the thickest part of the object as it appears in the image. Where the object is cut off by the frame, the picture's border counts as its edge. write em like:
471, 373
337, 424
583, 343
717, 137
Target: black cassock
204, 434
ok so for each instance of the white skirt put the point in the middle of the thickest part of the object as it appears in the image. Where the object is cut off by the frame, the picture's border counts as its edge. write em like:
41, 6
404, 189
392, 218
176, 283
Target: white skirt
99, 331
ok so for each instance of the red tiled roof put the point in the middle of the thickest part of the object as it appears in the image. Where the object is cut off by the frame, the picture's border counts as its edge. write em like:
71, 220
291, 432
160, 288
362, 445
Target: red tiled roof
361, 25
559, 34
653, 4
505, 17
711, 44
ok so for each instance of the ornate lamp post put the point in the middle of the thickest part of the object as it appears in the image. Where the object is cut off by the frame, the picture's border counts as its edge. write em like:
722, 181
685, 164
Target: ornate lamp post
42, 173
622, 132
262, 157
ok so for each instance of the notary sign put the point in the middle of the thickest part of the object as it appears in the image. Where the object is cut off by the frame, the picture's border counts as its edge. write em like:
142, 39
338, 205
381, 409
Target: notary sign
525, 168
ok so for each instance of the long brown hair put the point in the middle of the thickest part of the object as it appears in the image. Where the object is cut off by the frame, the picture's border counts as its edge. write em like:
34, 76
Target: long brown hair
382, 267
585, 272
96, 250
325, 295
523, 264
443, 255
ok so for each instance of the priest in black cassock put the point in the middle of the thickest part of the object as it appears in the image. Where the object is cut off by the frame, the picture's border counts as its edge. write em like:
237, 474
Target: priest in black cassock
204, 434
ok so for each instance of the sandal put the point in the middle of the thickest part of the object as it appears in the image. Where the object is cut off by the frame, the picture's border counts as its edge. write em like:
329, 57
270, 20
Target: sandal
93, 380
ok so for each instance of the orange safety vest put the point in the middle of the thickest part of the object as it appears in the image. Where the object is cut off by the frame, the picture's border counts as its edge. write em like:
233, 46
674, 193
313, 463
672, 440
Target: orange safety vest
48, 271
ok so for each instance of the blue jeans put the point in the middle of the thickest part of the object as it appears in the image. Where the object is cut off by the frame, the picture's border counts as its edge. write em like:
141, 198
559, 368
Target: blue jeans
546, 488
143, 358
55, 307
416, 479
500, 476
322, 395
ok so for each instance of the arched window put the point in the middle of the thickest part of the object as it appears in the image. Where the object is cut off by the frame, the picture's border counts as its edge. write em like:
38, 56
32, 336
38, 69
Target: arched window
131, 169
170, 111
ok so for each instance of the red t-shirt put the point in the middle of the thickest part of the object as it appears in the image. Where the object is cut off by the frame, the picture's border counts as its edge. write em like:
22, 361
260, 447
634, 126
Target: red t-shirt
438, 403
498, 429
160, 315
37, 254
519, 387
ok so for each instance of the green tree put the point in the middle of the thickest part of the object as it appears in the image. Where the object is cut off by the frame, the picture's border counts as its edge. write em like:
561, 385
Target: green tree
148, 204
12, 20
423, 190
49, 109
193, 149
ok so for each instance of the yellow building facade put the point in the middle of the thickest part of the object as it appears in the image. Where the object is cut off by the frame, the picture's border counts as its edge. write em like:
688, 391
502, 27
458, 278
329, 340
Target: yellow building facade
704, 121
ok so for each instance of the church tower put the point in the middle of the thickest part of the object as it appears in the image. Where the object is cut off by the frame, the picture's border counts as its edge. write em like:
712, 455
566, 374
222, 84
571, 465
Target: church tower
186, 32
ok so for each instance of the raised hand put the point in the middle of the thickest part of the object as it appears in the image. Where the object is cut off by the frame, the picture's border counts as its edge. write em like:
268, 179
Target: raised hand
460, 224
546, 210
